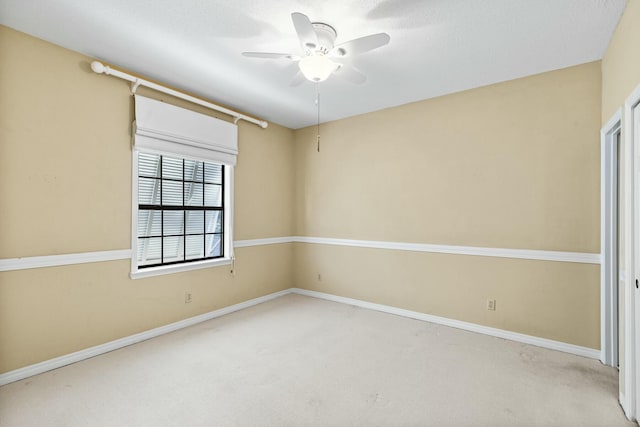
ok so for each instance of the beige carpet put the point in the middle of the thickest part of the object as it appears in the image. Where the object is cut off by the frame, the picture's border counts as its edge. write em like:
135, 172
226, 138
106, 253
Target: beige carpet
298, 361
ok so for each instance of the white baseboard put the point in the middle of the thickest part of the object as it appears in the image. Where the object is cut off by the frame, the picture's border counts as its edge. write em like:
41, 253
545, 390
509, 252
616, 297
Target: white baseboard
67, 359
625, 405
486, 330
58, 362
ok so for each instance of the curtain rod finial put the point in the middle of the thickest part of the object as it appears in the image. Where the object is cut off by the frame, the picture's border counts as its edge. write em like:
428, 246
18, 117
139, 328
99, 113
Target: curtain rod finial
97, 67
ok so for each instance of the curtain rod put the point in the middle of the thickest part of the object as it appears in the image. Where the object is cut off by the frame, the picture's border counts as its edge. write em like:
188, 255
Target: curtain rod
99, 68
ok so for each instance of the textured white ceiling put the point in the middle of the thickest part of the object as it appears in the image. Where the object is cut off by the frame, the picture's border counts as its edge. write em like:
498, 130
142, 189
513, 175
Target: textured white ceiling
437, 46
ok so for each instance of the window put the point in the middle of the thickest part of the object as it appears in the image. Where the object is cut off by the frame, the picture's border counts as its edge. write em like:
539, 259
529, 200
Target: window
182, 189
180, 210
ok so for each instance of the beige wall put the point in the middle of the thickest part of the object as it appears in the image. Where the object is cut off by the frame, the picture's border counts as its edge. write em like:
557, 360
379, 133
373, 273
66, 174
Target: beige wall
512, 165
620, 76
621, 62
65, 186
48, 312
65, 159
554, 300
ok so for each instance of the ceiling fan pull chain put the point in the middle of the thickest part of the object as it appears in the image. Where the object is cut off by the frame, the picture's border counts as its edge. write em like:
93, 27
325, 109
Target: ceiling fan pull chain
318, 107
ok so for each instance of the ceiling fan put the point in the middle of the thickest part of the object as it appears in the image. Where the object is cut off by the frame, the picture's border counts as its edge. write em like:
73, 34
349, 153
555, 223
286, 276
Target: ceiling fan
321, 57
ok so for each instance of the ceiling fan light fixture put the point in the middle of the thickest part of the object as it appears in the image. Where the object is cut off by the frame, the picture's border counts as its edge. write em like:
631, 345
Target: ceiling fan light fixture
317, 68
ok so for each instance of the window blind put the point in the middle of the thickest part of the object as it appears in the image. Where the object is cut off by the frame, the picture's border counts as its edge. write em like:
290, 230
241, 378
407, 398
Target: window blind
173, 130
180, 210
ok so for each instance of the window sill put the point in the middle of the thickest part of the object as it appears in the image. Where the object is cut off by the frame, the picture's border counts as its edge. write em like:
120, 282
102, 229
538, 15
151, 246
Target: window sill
179, 268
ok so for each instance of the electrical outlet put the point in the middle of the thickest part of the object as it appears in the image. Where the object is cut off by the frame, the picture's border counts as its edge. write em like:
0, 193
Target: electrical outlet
187, 297
491, 304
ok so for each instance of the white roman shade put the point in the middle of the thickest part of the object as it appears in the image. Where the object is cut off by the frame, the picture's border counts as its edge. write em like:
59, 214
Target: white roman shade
173, 130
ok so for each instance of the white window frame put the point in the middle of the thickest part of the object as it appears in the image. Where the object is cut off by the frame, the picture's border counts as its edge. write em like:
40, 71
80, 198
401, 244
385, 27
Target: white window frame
227, 259
169, 130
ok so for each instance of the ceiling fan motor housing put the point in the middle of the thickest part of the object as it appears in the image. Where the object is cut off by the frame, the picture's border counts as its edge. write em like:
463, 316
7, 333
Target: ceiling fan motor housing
326, 38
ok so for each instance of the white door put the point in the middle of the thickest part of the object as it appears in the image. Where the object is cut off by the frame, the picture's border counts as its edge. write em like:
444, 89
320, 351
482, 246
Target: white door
635, 320
630, 396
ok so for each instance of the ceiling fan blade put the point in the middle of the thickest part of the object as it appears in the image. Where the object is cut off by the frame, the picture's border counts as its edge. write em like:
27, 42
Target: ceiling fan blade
298, 79
270, 55
361, 45
350, 74
304, 29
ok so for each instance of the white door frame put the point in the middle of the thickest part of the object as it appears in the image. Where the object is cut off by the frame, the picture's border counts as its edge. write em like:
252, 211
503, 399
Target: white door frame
631, 141
609, 215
